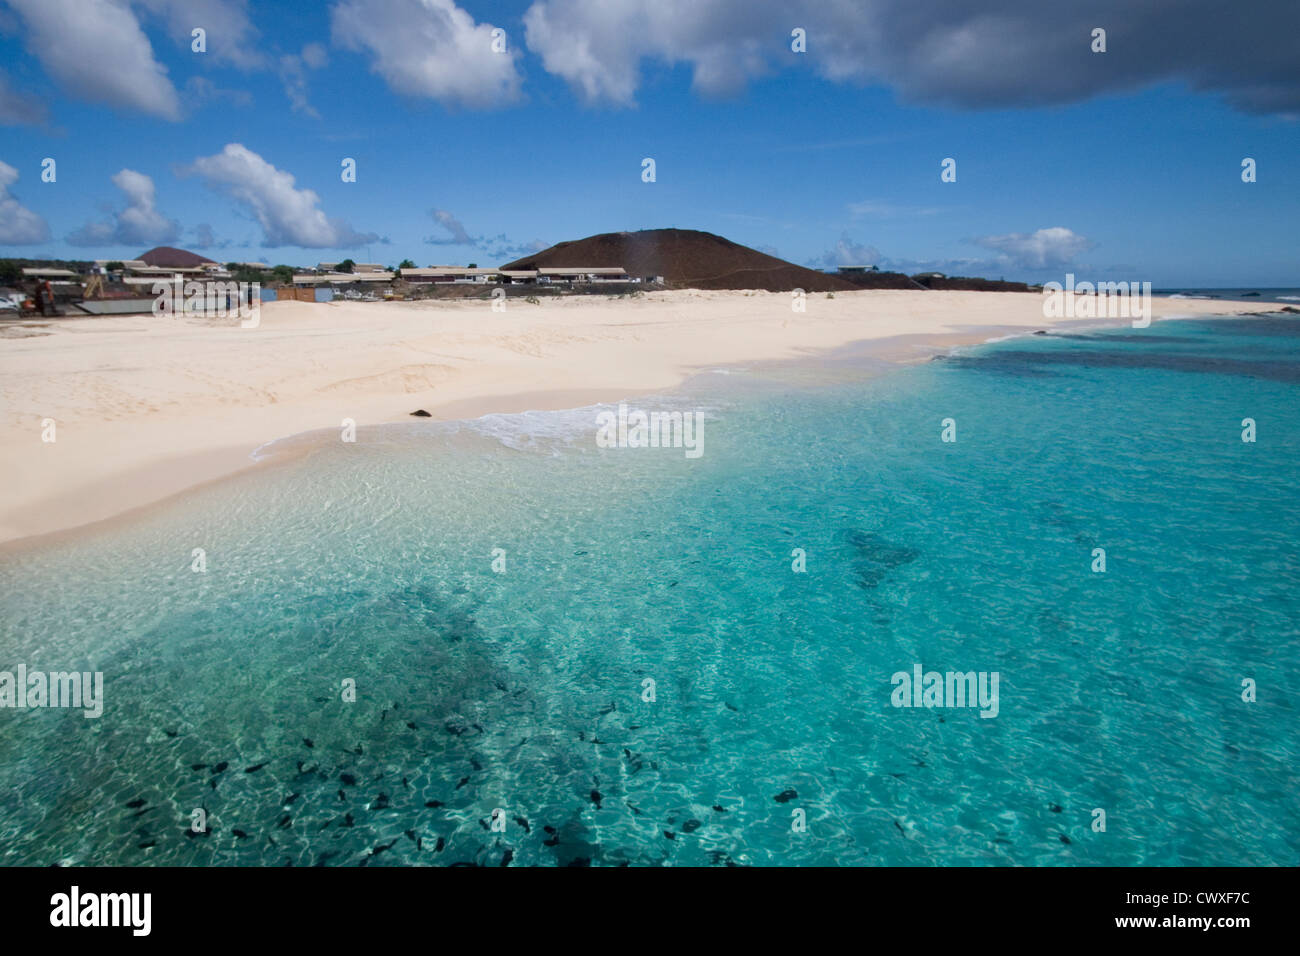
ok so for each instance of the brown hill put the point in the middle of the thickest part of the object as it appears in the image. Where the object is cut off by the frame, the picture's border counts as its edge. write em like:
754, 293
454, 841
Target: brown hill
174, 258
685, 258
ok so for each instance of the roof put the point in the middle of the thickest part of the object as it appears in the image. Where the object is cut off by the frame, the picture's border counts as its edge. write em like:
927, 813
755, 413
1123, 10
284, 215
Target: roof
166, 270
581, 270
450, 271
341, 278
40, 273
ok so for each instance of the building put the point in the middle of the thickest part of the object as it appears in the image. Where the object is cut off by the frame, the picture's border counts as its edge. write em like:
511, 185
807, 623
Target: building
448, 274
356, 267
341, 278
572, 274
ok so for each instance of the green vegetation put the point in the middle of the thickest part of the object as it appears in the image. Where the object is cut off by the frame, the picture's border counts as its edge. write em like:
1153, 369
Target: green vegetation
532, 300
115, 266
10, 271
406, 264
282, 273
347, 265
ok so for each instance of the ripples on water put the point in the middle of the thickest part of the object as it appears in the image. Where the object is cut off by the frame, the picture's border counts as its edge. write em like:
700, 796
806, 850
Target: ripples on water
523, 691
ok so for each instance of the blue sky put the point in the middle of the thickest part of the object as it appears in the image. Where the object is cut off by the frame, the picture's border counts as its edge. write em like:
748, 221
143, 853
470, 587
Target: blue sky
1119, 168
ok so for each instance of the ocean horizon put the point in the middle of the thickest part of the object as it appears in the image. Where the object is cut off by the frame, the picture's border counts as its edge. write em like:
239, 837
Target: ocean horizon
496, 641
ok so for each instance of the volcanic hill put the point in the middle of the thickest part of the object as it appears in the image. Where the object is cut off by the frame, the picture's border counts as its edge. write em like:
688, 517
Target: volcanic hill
686, 258
172, 258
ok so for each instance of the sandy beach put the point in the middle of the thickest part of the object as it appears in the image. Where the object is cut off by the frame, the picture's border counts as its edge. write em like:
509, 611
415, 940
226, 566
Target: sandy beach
147, 407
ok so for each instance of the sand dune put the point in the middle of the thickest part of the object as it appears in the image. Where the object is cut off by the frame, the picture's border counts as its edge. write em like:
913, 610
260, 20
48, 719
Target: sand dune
147, 407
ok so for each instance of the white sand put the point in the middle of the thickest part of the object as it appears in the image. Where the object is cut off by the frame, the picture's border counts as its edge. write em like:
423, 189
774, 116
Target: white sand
147, 407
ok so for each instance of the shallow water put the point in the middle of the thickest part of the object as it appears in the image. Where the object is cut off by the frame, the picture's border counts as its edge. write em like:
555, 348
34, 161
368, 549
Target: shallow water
524, 690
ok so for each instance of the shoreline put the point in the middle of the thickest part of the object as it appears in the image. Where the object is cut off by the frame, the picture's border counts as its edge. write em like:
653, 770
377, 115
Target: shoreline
142, 457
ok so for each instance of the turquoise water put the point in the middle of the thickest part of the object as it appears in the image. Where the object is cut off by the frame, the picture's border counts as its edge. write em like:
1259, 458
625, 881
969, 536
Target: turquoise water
523, 690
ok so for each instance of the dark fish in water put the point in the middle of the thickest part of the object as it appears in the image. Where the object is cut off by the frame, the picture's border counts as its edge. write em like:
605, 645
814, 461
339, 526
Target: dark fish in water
670, 834
136, 804
785, 796
690, 826
240, 834
438, 848
1064, 838
198, 766
348, 779
170, 733
433, 803
254, 768
380, 802
877, 556
380, 849
221, 767
284, 821
347, 819
290, 799
507, 857
462, 782
308, 742
1055, 808
596, 798
523, 822
147, 844
411, 724
719, 809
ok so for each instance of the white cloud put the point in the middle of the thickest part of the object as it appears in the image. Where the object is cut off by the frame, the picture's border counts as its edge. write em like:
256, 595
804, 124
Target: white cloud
289, 216
231, 37
459, 237
429, 48
1044, 249
293, 74
18, 224
18, 109
849, 253
597, 45
950, 52
96, 50
139, 223
1017, 254
205, 238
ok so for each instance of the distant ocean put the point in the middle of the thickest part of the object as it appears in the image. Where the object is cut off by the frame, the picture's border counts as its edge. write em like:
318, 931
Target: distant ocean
646, 679
1278, 296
